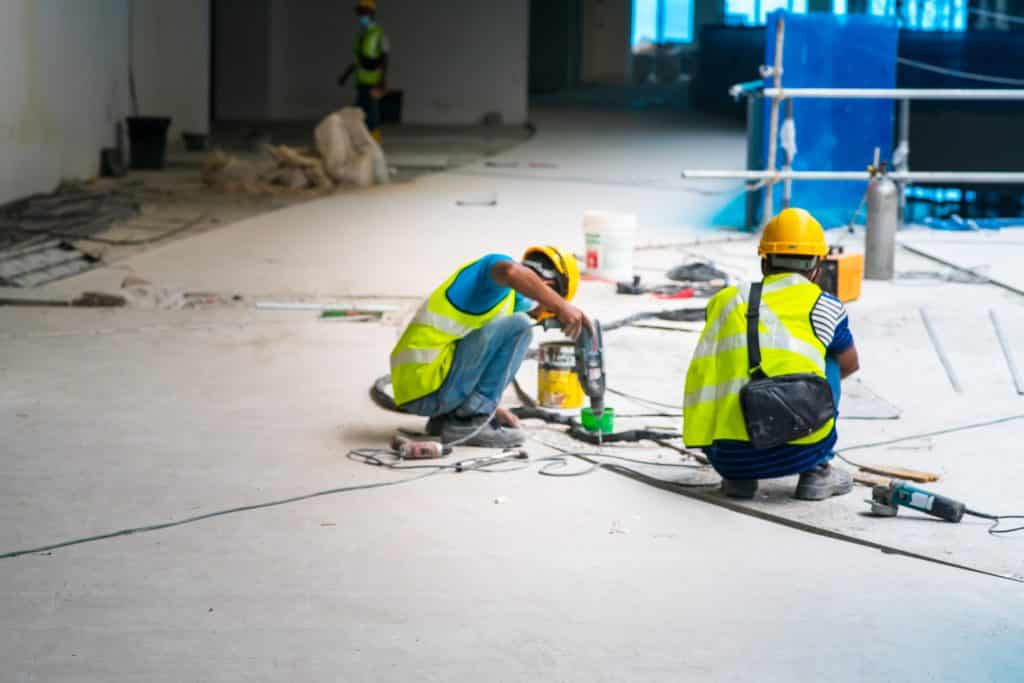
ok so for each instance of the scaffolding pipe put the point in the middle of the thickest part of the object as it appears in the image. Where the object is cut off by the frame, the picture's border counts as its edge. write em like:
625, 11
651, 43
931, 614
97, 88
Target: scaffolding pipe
1010, 362
773, 122
896, 93
941, 352
967, 177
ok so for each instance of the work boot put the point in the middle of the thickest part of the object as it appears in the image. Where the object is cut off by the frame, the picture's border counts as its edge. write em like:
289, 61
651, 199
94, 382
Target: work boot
739, 488
823, 482
436, 424
489, 434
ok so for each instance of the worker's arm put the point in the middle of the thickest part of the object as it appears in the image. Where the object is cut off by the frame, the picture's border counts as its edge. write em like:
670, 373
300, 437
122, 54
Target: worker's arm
849, 361
529, 284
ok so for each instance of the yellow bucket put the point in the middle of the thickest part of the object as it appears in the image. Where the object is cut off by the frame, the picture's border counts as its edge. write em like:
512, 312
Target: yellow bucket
558, 385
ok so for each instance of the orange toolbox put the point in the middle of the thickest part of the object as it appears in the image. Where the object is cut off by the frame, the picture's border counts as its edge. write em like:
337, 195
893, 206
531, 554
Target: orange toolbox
841, 274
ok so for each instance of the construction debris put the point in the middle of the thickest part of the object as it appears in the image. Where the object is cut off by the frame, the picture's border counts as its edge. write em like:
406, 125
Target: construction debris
345, 153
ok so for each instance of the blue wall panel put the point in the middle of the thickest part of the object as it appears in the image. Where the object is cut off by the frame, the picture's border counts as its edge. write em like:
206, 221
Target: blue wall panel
826, 51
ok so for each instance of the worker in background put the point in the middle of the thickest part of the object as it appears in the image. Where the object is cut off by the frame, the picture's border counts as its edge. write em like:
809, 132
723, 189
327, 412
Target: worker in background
371, 65
802, 330
468, 339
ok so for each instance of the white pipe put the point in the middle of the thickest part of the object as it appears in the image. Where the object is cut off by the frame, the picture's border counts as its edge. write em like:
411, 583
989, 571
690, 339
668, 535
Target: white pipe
981, 177
897, 93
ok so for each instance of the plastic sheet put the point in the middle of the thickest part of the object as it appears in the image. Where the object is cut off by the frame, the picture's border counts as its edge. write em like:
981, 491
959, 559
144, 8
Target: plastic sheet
827, 51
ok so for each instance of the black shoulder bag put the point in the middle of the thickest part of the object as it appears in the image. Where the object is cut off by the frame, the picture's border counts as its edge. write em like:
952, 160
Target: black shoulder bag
780, 409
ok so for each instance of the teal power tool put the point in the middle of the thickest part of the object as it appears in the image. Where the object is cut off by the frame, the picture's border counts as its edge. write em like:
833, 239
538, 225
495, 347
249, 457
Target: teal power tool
886, 501
589, 364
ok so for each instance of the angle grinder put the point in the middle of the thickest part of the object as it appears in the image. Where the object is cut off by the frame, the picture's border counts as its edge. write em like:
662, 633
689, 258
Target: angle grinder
886, 501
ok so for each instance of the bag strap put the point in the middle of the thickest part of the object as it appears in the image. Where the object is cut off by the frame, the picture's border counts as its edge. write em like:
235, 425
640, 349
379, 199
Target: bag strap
753, 338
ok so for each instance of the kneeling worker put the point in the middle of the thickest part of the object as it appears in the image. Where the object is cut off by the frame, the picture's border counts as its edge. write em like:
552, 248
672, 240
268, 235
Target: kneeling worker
468, 339
802, 331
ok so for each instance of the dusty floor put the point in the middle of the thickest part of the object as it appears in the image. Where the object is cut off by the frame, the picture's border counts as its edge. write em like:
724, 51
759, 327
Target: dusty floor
122, 418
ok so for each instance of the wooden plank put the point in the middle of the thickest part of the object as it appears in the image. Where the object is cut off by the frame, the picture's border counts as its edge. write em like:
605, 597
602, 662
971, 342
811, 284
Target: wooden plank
900, 473
871, 479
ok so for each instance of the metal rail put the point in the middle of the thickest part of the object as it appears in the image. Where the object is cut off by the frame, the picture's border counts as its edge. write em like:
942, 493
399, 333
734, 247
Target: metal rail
970, 177
896, 93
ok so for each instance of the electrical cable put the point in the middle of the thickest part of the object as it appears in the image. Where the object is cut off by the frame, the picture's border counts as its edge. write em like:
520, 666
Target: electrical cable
994, 530
1008, 18
966, 75
211, 515
641, 400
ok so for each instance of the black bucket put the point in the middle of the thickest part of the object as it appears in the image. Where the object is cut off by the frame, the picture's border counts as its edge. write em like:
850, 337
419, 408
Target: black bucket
147, 136
391, 107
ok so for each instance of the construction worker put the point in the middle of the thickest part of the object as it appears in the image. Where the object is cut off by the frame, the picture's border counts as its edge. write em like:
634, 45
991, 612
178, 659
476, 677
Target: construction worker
468, 339
371, 65
801, 330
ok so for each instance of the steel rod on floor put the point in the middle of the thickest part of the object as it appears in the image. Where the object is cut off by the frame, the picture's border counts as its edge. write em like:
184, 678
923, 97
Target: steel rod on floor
1010, 362
940, 352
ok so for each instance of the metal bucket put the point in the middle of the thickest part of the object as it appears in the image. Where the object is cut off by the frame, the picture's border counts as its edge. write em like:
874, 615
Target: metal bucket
558, 385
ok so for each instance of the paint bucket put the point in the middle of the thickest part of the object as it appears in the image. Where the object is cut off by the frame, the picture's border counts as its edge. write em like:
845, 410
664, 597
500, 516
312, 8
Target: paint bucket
609, 238
558, 385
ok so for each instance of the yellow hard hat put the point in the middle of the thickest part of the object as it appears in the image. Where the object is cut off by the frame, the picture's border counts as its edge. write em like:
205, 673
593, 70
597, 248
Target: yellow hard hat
795, 232
370, 5
567, 273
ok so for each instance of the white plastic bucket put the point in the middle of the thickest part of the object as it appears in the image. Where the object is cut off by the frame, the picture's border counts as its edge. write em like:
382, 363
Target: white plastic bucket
609, 238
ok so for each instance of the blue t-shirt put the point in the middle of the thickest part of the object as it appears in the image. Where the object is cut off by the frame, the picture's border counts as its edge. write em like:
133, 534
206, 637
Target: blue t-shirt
739, 460
475, 291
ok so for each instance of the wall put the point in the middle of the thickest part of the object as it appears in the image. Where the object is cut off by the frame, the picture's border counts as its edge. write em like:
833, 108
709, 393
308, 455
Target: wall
241, 60
454, 65
171, 49
63, 85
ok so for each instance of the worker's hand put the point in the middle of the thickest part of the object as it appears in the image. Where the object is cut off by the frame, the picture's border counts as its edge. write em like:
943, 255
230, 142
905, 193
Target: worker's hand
506, 418
573, 320
378, 92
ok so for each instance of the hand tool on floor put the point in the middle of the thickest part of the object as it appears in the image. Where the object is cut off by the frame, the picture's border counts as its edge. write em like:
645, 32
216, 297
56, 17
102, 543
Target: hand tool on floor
589, 363
408, 449
886, 501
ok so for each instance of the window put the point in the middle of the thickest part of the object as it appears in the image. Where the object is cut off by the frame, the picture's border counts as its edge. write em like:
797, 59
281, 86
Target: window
662, 21
925, 15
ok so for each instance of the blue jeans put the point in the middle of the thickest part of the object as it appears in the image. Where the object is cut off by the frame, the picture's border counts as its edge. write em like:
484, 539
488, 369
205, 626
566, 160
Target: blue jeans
370, 106
834, 377
486, 361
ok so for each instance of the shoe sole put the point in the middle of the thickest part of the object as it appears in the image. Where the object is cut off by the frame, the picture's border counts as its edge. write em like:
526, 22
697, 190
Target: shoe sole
822, 493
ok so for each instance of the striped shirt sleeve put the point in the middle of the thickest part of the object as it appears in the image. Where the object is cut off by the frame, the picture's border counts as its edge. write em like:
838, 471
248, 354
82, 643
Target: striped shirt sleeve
830, 322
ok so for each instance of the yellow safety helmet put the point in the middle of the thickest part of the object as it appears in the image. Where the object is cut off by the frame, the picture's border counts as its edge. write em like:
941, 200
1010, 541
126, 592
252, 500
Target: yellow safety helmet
795, 232
369, 5
567, 271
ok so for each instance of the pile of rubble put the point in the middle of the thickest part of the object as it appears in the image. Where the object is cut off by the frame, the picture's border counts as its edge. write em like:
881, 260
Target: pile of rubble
345, 154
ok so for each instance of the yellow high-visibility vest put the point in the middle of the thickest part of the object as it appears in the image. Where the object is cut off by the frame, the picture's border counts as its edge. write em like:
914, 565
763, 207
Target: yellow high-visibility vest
719, 367
369, 50
421, 360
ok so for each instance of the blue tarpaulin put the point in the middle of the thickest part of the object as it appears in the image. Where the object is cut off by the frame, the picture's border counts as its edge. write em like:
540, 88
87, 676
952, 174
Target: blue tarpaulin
823, 50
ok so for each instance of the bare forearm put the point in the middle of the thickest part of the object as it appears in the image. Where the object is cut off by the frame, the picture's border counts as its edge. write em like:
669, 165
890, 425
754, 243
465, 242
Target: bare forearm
849, 362
527, 283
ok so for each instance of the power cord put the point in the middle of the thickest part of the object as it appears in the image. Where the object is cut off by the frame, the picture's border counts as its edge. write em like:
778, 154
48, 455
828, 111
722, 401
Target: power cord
996, 521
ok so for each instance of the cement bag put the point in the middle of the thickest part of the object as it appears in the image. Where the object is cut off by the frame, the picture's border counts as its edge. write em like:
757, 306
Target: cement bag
334, 146
363, 142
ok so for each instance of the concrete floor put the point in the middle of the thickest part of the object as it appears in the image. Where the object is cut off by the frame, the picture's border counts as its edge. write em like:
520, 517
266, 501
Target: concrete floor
128, 417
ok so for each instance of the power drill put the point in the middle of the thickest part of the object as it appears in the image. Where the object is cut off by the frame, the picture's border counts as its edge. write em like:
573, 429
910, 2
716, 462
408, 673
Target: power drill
589, 362
886, 501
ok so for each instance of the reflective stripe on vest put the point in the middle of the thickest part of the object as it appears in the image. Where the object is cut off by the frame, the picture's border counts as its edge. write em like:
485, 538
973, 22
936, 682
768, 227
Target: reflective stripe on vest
368, 46
719, 368
421, 360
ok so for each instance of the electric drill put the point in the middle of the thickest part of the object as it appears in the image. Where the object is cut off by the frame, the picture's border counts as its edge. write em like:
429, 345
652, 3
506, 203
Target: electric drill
589, 363
886, 500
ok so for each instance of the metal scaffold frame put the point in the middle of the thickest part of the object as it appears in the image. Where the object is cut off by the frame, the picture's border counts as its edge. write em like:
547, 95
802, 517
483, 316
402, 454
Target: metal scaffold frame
901, 173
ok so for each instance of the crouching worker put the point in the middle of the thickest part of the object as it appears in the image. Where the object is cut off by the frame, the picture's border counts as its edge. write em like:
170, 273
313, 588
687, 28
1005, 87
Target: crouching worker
764, 405
468, 339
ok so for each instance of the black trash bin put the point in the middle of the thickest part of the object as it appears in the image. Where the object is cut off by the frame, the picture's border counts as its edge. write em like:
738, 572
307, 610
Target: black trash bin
391, 107
147, 136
